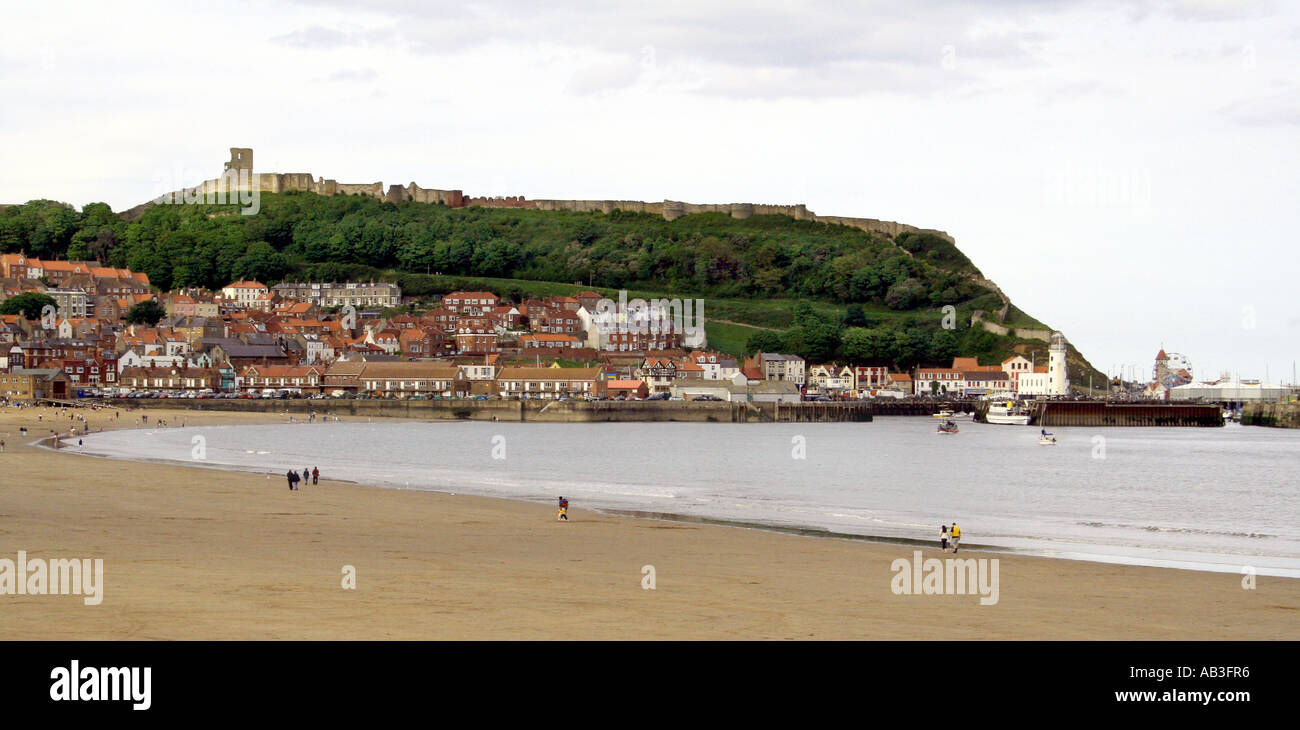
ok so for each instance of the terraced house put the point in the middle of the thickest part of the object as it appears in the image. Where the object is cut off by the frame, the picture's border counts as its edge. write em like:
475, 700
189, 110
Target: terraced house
476, 336
338, 294
408, 379
307, 378
474, 303
550, 382
176, 379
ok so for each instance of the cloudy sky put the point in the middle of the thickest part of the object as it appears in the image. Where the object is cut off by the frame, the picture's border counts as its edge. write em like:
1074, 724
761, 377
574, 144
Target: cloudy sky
1127, 172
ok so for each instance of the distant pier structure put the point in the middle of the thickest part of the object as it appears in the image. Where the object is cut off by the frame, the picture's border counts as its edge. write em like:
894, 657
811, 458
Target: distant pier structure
1089, 413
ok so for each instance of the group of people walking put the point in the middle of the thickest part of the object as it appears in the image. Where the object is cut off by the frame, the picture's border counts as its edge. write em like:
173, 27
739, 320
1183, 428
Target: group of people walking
313, 475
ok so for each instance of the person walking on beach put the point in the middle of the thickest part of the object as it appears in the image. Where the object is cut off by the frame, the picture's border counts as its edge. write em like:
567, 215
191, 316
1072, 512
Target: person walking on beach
956, 537
563, 513
292, 477
306, 475
943, 538
315, 475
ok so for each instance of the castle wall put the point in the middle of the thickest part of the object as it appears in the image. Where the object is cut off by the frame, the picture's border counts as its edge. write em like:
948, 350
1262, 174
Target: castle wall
241, 161
449, 198
598, 206
977, 319
374, 190
510, 201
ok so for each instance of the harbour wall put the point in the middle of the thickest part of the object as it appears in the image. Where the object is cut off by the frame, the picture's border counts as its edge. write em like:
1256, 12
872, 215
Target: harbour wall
1276, 415
1084, 413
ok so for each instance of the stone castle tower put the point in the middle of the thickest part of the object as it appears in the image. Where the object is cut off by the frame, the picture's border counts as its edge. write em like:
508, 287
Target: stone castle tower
241, 158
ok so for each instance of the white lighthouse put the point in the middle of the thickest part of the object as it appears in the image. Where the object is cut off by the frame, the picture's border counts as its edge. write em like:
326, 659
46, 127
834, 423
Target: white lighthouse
1058, 383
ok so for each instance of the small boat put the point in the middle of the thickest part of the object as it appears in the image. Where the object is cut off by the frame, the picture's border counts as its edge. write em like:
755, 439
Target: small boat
1047, 440
945, 414
948, 427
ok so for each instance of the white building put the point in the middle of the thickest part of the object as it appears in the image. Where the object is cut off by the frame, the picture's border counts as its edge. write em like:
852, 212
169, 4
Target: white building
244, 293
1229, 391
1051, 381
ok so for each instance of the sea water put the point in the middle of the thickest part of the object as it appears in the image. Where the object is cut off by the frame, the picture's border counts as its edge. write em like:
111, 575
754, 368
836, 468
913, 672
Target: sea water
1221, 499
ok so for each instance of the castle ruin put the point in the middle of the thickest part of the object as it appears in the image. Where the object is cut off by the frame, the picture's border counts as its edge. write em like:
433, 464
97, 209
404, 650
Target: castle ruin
240, 167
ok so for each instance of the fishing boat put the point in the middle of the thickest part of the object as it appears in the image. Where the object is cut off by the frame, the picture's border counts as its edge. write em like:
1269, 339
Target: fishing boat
948, 427
1006, 414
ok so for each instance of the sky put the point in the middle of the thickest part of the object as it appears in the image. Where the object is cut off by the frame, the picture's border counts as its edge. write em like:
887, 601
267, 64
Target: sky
1125, 171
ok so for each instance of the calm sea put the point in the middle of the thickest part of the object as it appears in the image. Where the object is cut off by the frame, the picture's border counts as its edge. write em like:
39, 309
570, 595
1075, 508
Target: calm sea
1207, 499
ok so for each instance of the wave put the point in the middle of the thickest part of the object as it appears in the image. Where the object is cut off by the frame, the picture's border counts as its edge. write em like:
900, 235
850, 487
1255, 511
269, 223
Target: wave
1181, 530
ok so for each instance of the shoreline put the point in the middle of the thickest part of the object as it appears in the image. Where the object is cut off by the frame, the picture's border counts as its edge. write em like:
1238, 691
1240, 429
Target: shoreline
216, 554
1067, 550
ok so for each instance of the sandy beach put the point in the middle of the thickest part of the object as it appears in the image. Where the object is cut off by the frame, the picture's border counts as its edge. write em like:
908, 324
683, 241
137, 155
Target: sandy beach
197, 553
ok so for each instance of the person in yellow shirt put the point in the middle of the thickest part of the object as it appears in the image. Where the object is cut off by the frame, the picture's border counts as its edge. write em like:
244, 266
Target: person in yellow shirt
955, 534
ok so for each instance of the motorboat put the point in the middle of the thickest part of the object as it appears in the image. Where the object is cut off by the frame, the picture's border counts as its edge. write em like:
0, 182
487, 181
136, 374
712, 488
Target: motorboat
1006, 414
948, 427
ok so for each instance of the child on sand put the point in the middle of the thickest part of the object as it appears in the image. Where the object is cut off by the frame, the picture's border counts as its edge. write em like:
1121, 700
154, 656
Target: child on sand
563, 514
943, 538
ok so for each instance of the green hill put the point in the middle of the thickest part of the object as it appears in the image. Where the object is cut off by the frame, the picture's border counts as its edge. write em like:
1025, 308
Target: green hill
817, 289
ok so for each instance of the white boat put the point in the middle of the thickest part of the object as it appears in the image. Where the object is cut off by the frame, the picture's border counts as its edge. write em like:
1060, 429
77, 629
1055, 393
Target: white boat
1048, 440
1005, 414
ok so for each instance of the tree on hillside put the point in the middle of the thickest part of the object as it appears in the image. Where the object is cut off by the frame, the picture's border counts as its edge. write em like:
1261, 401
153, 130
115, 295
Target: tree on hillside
814, 336
148, 312
764, 341
29, 304
908, 347
855, 317
906, 294
942, 346
862, 346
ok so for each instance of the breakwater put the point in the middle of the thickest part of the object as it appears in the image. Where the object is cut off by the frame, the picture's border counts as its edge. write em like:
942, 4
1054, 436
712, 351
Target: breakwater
1276, 415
